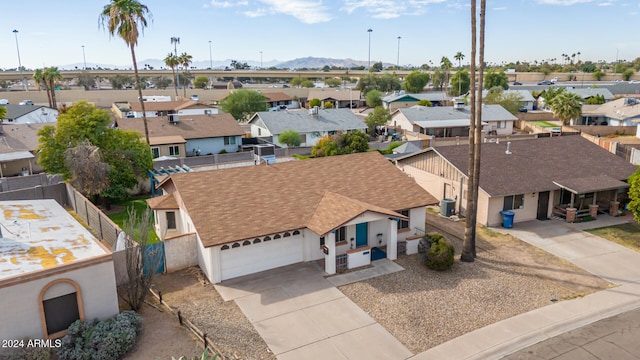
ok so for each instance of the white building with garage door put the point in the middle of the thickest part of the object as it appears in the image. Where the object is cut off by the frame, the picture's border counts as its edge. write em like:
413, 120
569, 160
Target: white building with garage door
345, 210
53, 271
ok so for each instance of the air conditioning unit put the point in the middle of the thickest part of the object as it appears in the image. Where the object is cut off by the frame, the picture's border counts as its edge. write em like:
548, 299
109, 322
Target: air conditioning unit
174, 119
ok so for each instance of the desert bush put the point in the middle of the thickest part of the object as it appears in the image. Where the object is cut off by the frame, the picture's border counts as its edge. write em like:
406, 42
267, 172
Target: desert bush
439, 255
101, 340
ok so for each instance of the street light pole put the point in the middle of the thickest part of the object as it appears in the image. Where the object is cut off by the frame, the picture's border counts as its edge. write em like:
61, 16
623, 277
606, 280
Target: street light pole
260, 59
369, 31
24, 85
84, 58
398, 61
210, 58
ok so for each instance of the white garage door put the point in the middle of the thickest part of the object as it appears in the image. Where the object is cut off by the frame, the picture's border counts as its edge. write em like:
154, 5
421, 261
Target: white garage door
249, 259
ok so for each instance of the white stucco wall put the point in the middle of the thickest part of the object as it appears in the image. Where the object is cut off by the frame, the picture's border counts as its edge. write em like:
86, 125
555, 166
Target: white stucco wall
212, 145
263, 131
493, 217
507, 130
20, 311
205, 261
201, 111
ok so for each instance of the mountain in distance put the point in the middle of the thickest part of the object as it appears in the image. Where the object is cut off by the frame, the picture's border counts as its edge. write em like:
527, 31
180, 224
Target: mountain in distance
308, 62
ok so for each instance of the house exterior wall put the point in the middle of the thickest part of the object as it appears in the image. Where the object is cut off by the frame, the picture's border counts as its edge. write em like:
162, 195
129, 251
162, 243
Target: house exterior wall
163, 150
205, 261
210, 146
180, 252
399, 120
492, 216
507, 130
259, 131
200, 111
160, 219
21, 316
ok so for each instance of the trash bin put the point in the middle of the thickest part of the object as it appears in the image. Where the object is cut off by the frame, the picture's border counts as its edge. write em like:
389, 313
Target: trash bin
507, 219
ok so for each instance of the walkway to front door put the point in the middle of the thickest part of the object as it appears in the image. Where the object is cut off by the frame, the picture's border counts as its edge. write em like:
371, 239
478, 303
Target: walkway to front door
300, 315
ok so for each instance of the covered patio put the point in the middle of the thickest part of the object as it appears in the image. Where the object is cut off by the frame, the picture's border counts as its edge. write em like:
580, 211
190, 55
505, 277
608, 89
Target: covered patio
582, 197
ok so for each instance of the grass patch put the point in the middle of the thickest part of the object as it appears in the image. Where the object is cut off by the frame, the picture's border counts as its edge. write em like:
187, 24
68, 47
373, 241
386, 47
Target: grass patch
626, 234
139, 204
544, 124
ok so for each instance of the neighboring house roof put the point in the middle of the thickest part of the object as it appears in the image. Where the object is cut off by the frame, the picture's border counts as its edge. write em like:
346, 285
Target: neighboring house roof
421, 114
535, 164
168, 105
620, 109
431, 96
303, 122
524, 94
15, 112
189, 126
164, 140
334, 94
285, 196
20, 136
277, 96
586, 93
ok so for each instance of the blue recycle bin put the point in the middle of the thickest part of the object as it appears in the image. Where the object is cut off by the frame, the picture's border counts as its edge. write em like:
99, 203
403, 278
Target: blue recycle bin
507, 219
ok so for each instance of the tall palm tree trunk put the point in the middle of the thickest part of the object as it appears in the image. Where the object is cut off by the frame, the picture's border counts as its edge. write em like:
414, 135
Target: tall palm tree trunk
175, 81
52, 89
468, 244
144, 114
46, 88
184, 86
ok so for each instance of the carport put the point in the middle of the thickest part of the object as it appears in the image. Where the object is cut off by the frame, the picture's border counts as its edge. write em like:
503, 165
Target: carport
583, 196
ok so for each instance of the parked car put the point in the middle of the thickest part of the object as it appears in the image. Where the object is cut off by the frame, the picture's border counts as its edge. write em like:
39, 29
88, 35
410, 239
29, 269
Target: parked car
634, 82
554, 80
517, 83
618, 80
26, 102
523, 109
545, 82
4, 102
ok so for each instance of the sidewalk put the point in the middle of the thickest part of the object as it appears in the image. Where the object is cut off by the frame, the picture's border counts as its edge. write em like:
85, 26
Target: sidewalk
601, 257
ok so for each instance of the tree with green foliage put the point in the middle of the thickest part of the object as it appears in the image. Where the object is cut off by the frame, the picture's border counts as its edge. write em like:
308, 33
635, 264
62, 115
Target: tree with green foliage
438, 79
634, 194
172, 61
38, 77
385, 83
290, 138
162, 82
119, 81
296, 81
459, 56
627, 74
128, 18
566, 106
354, 142
596, 100
314, 102
332, 82
327, 146
3, 112
126, 154
201, 82
425, 102
460, 82
328, 105
243, 103
185, 60
416, 81
495, 78
339, 144
51, 76
86, 80
378, 117
307, 84
598, 75
374, 98
509, 101
376, 67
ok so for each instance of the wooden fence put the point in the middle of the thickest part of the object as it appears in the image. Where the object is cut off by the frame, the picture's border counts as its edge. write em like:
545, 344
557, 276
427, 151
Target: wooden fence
200, 335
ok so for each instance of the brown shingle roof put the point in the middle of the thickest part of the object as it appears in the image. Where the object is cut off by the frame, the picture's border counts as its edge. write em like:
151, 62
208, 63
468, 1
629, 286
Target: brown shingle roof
277, 96
164, 140
189, 126
535, 164
164, 202
247, 202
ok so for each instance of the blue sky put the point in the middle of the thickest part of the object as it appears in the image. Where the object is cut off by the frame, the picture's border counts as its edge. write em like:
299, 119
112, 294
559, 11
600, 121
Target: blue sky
51, 33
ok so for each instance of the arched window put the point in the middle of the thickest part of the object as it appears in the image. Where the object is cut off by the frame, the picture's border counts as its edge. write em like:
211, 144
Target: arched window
296, 232
277, 236
225, 247
60, 305
287, 234
235, 245
256, 240
246, 242
267, 238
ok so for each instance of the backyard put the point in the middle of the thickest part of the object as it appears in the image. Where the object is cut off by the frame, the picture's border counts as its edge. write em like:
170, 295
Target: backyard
119, 213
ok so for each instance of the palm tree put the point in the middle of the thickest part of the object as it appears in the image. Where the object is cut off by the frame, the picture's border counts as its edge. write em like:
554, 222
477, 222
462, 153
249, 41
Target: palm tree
172, 61
38, 77
185, 60
51, 75
459, 56
445, 64
566, 106
123, 17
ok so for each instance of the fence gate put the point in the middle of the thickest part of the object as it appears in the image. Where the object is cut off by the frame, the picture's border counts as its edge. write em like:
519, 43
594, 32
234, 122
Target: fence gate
341, 262
153, 256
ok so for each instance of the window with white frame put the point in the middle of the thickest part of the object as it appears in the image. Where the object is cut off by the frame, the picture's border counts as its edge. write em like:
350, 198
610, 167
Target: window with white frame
513, 202
174, 150
171, 220
502, 124
229, 140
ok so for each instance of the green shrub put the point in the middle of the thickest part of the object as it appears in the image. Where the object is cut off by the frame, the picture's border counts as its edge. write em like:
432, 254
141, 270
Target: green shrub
439, 256
223, 151
101, 340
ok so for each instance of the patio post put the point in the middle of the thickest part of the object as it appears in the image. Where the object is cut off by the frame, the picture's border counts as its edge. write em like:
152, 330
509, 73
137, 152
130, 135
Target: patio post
330, 257
392, 240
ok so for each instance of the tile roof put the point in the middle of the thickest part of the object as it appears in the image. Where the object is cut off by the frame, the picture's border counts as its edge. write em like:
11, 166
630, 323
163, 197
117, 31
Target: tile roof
248, 202
189, 126
535, 164
302, 122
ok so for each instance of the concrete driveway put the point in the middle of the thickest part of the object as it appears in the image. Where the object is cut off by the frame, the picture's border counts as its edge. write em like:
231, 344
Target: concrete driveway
301, 315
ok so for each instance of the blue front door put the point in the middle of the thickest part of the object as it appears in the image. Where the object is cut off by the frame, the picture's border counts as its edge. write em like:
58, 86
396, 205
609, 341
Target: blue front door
362, 234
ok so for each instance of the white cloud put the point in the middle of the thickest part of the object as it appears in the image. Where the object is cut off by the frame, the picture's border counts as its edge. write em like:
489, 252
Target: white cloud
306, 11
564, 2
387, 9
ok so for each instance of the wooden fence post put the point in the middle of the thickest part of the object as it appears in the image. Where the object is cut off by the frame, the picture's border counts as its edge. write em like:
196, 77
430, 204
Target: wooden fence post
160, 296
204, 338
180, 317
